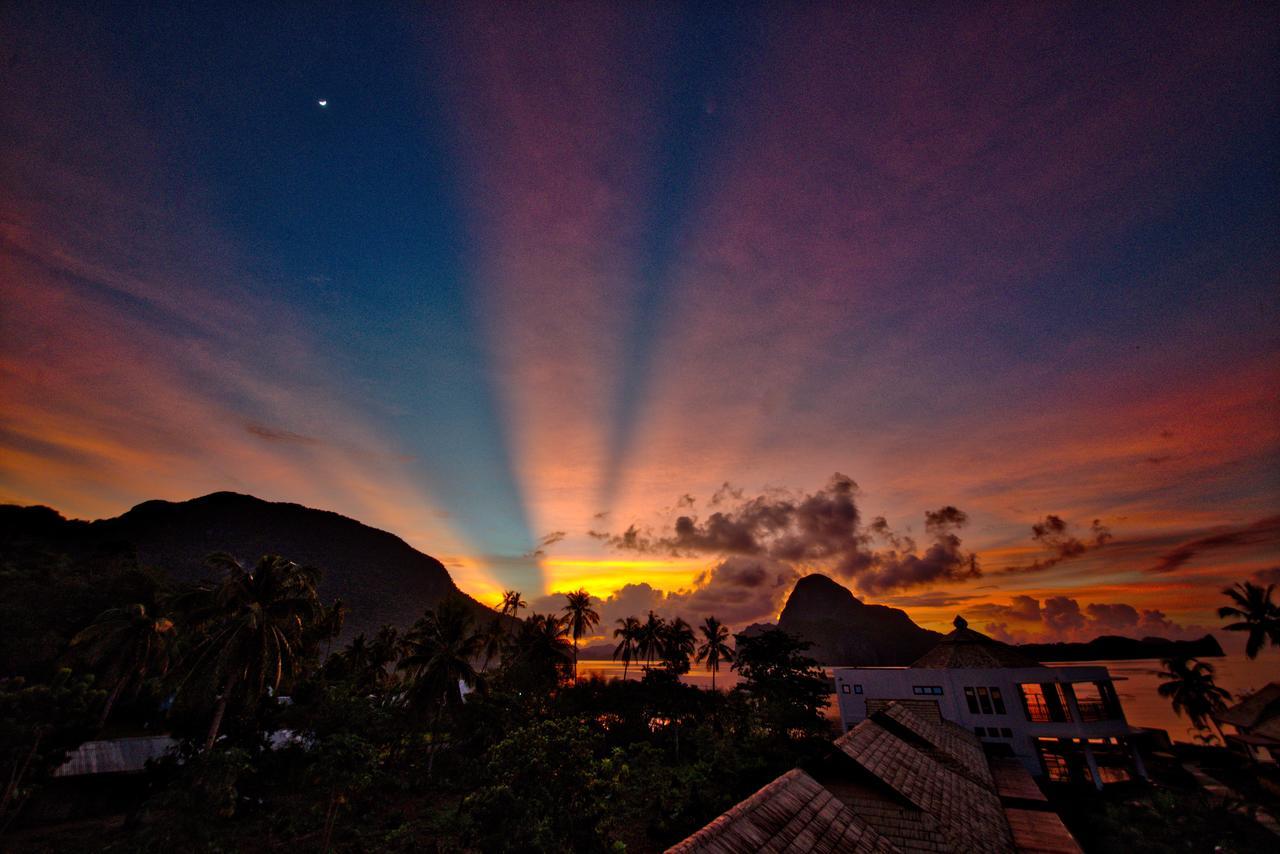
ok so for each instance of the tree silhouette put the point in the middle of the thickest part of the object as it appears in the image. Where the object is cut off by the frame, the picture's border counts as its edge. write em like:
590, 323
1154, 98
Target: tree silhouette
252, 624
1191, 689
715, 647
442, 646
125, 645
649, 639
628, 632
1256, 614
512, 602
582, 619
678, 645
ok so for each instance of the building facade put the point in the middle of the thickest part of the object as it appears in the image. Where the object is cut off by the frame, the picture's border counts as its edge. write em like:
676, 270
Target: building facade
1063, 724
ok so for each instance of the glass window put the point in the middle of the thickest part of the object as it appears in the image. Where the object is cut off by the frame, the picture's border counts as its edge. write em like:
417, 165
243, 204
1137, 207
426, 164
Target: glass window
1056, 767
927, 690
1035, 703
972, 699
857, 689
998, 701
844, 689
984, 699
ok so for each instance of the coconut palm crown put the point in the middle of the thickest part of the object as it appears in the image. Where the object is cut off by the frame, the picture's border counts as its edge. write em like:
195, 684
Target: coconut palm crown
714, 647
1255, 613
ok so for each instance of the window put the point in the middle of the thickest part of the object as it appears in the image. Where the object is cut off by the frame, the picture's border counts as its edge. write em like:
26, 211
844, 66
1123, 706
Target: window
857, 689
927, 690
844, 689
984, 699
1044, 703
1055, 766
980, 731
998, 701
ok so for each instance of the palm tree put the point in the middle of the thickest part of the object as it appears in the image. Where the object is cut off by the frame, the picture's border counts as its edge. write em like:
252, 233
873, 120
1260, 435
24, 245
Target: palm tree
1192, 690
1257, 615
329, 626
649, 638
125, 645
443, 645
492, 639
253, 624
678, 644
512, 602
715, 647
628, 632
540, 650
582, 619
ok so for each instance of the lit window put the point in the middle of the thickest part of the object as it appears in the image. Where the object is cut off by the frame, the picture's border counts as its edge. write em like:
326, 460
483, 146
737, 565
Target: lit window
1044, 703
857, 689
1056, 767
927, 690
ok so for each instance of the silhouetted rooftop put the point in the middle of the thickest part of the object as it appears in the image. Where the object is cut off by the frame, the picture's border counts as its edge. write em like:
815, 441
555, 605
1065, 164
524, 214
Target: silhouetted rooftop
967, 648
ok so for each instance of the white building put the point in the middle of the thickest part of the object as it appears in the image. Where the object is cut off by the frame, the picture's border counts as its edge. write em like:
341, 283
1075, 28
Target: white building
1063, 723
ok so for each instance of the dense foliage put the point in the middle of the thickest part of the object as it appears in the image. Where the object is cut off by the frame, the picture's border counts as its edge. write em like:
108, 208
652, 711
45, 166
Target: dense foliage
458, 734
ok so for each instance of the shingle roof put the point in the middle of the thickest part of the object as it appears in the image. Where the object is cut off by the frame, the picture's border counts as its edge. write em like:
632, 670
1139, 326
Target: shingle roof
948, 743
969, 649
899, 783
793, 813
1256, 709
968, 813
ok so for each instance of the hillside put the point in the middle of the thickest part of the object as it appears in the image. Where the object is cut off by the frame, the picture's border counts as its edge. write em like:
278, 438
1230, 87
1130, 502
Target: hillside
380, 577
845, 631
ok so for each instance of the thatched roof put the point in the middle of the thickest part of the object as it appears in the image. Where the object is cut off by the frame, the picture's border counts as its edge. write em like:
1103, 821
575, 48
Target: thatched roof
966, 648
793, 813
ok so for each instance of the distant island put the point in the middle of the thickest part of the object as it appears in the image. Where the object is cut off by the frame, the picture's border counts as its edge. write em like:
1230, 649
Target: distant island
846, 631
1117, 648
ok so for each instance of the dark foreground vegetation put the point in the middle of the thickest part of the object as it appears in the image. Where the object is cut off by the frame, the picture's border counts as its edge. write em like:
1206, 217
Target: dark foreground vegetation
290, 741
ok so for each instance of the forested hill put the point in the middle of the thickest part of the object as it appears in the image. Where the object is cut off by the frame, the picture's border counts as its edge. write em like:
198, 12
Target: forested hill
1116, 648
380, 577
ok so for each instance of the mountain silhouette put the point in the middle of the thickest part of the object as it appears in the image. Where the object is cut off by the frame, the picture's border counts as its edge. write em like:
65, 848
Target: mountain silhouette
845, 631
380, 577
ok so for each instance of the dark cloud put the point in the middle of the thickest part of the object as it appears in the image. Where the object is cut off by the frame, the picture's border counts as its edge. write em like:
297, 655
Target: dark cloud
1263, 531
272, 434
1025, 619
820, 529
547, 541
1116, 616
1268, 576
1055, 536
931, 599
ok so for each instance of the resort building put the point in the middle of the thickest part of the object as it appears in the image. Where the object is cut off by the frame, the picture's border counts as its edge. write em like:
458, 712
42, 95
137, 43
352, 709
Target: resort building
897, 781
1062, 723
1252, 726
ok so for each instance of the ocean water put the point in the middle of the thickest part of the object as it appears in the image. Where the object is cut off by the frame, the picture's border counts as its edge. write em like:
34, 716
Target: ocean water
1136, 683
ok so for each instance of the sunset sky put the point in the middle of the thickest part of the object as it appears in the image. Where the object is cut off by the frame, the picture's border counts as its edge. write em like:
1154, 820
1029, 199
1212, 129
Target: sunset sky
532, 287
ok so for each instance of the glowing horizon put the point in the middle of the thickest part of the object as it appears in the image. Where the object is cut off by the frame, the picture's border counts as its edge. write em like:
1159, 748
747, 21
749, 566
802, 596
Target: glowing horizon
530, 279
